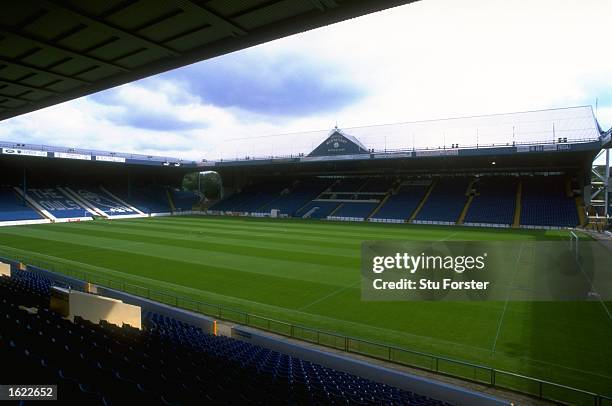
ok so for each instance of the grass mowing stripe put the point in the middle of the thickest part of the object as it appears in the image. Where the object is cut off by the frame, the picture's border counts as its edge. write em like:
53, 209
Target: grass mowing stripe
237, 241
271, 236
457, 330
334, 274
345, 229
381, 229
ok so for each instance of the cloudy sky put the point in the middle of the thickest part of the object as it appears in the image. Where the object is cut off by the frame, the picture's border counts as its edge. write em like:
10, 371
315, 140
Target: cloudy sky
432, 59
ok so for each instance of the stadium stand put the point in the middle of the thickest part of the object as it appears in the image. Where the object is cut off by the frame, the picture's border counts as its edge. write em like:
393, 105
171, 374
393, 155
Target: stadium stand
100, 201
317, 209
57, 203
355, 210
184, 200
348, 185
401, 205
545, 202
149, 199
250, 198
13, 208
169, 362
494, 201
445, 202
378, 185
301, 192
258, 196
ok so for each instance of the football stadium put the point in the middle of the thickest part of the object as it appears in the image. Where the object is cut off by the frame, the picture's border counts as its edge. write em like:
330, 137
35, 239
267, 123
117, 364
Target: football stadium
120, 285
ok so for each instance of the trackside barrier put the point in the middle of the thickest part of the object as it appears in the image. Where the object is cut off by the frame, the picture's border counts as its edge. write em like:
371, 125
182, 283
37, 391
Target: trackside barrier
538, 388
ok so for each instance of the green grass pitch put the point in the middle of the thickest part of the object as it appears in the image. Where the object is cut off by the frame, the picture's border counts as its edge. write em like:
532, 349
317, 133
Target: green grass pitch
308, 273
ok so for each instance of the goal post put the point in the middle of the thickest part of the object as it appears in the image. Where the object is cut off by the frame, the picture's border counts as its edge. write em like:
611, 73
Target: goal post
574, 244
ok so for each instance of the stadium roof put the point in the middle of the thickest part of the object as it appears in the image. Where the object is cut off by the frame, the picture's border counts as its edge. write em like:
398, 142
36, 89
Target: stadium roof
57, 50
570, 124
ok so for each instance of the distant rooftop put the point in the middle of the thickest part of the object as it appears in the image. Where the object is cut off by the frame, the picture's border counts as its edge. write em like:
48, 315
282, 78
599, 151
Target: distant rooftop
15, 148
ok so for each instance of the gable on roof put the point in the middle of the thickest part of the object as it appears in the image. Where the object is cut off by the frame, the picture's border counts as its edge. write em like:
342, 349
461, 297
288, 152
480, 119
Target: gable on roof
339, 143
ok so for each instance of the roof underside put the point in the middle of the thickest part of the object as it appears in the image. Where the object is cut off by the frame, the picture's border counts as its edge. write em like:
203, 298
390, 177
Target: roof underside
57, 50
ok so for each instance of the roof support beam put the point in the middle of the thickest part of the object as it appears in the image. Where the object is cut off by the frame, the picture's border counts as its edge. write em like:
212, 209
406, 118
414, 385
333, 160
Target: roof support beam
90, 20
41, 70
15, 98
324, 4
45, 44
26, 86
211, 17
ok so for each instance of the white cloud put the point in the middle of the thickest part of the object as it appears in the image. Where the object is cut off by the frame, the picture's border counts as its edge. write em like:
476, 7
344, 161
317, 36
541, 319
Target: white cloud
430, 59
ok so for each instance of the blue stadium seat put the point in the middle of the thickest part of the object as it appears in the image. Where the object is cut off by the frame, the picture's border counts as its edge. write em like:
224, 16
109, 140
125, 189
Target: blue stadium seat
184, 200
544, 203
317, 209
98, 198
401, 205
57, 203
446, 201
495, 201
13, 208
355, 209
148, 199
169, 362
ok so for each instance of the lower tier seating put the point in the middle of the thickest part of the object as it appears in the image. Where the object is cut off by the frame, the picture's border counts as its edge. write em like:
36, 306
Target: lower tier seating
13, 208
355, 209
494, 202
545, 203
150, 199
401, 205
184, 200
167, 363
446, 201
317, 209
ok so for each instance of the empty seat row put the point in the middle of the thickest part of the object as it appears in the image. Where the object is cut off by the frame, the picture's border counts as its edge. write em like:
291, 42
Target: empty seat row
168, 362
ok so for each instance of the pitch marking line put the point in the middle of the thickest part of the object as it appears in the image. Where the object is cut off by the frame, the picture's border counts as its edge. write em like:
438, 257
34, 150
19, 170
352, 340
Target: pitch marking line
501, 318
335, 292
603, 304
354, 284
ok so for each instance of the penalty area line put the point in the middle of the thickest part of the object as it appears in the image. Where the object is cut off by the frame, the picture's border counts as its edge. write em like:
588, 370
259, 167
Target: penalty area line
335, 292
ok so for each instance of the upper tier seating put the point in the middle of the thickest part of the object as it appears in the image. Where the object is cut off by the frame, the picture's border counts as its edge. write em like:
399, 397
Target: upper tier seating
495, 201
400, 206
355, 209
57, 203
168, 363
446, 201
544, 203
13, 208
